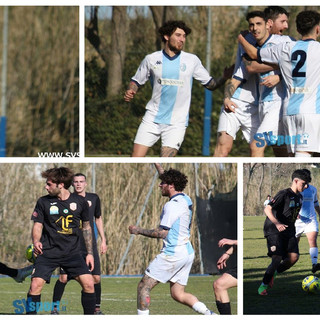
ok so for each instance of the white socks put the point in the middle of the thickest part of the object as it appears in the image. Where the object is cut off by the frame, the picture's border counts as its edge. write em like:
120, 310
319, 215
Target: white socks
314, 255
143, 312
302, 154
200, 307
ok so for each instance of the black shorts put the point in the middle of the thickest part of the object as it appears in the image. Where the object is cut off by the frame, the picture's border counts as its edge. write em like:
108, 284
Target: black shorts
281, 244
96, 270
233, 272
74, 266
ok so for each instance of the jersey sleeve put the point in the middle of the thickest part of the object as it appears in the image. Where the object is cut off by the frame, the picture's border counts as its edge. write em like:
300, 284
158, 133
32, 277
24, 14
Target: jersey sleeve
85, 216
200, 73
38, 212
97, 212
168, 216
277, 201
143, 73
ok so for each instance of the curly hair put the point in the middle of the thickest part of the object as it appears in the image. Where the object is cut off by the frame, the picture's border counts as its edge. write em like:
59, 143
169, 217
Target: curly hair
59, 175
306, 21
175, 177
171, 26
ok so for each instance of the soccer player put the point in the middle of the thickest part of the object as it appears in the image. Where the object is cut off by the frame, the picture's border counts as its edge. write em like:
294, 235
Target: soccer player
79, 184
174, 262
56, 240
240, 109
307, 222
266, 202
170, 72
279, 229
18, 275
298, 62
227, 280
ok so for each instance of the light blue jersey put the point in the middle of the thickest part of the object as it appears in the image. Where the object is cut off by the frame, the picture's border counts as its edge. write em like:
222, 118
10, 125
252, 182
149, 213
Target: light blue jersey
171, 79
277, 92
309, 201
300, 67
176, 217
248, 90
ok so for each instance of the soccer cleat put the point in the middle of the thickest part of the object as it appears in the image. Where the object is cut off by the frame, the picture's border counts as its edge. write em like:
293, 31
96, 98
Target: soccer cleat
23, 273
209, 313
315, 267
262, 290
98, 312
54, 311
272, 279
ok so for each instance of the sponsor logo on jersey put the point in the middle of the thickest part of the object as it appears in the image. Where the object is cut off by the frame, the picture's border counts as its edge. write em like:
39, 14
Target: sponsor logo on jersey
273, 248
170, 82
89, 203
35, 214
54, 210
292, 204
65, 211
73, 206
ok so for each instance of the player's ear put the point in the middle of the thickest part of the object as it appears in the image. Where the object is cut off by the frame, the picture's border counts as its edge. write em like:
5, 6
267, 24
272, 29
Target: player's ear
166, 37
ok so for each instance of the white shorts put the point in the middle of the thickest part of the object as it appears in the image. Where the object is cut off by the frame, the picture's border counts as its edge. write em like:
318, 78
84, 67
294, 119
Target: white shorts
310, 225
166, 268
150, 132
245, 118
304, 132
269, 115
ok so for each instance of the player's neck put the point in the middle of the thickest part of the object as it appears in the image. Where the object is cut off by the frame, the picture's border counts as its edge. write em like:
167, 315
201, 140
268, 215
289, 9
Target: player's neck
82, 194
64, 194
170, 52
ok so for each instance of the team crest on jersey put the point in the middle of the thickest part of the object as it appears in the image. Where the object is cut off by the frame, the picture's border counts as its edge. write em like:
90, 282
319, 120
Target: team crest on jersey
183, 67
54, 210
273, 248
292, 204
89, 203
73, 206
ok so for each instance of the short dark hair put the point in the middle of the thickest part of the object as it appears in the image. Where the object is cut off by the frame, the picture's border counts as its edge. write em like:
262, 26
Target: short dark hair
301, 174
79, 174
175, 177
171, 26
256, 13
272, 12
59, 175
306, 21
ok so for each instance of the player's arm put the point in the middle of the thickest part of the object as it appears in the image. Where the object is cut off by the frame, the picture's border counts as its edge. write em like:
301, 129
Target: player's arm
36, 236
131, 91
87, 236
103, 245
159, 232
217, 83
251, 50
254, 66
159, 168
269, 214
229, 90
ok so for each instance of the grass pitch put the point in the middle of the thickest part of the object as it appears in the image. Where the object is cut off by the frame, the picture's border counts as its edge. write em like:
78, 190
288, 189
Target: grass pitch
118, 296
286, 296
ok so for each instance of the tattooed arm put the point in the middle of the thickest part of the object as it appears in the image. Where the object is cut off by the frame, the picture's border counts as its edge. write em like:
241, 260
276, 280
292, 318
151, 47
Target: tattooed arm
153, 233
131, 91
217, 83
87, 235
229, 90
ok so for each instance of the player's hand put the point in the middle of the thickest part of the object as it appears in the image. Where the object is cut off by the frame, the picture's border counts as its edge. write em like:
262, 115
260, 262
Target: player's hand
37, 248
229, 105
226, 241
133, 229
103, 247
228, 72
90, 261
222, 262
270, 81
281, 227
129, 95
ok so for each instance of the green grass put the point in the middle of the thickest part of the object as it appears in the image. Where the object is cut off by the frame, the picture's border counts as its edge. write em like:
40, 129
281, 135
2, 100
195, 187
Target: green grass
118, 296
286, 296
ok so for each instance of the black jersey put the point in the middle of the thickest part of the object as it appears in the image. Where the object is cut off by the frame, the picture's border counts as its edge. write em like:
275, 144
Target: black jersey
93, 201
61, 221
285, 207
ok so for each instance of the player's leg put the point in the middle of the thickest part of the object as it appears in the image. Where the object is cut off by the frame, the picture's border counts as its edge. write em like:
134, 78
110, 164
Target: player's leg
220, 287
17, 274
58, 290
147, 135
88, 297
292, 256
34, 295
223, 145
313, 250
172, 137
145, 286
97, 290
